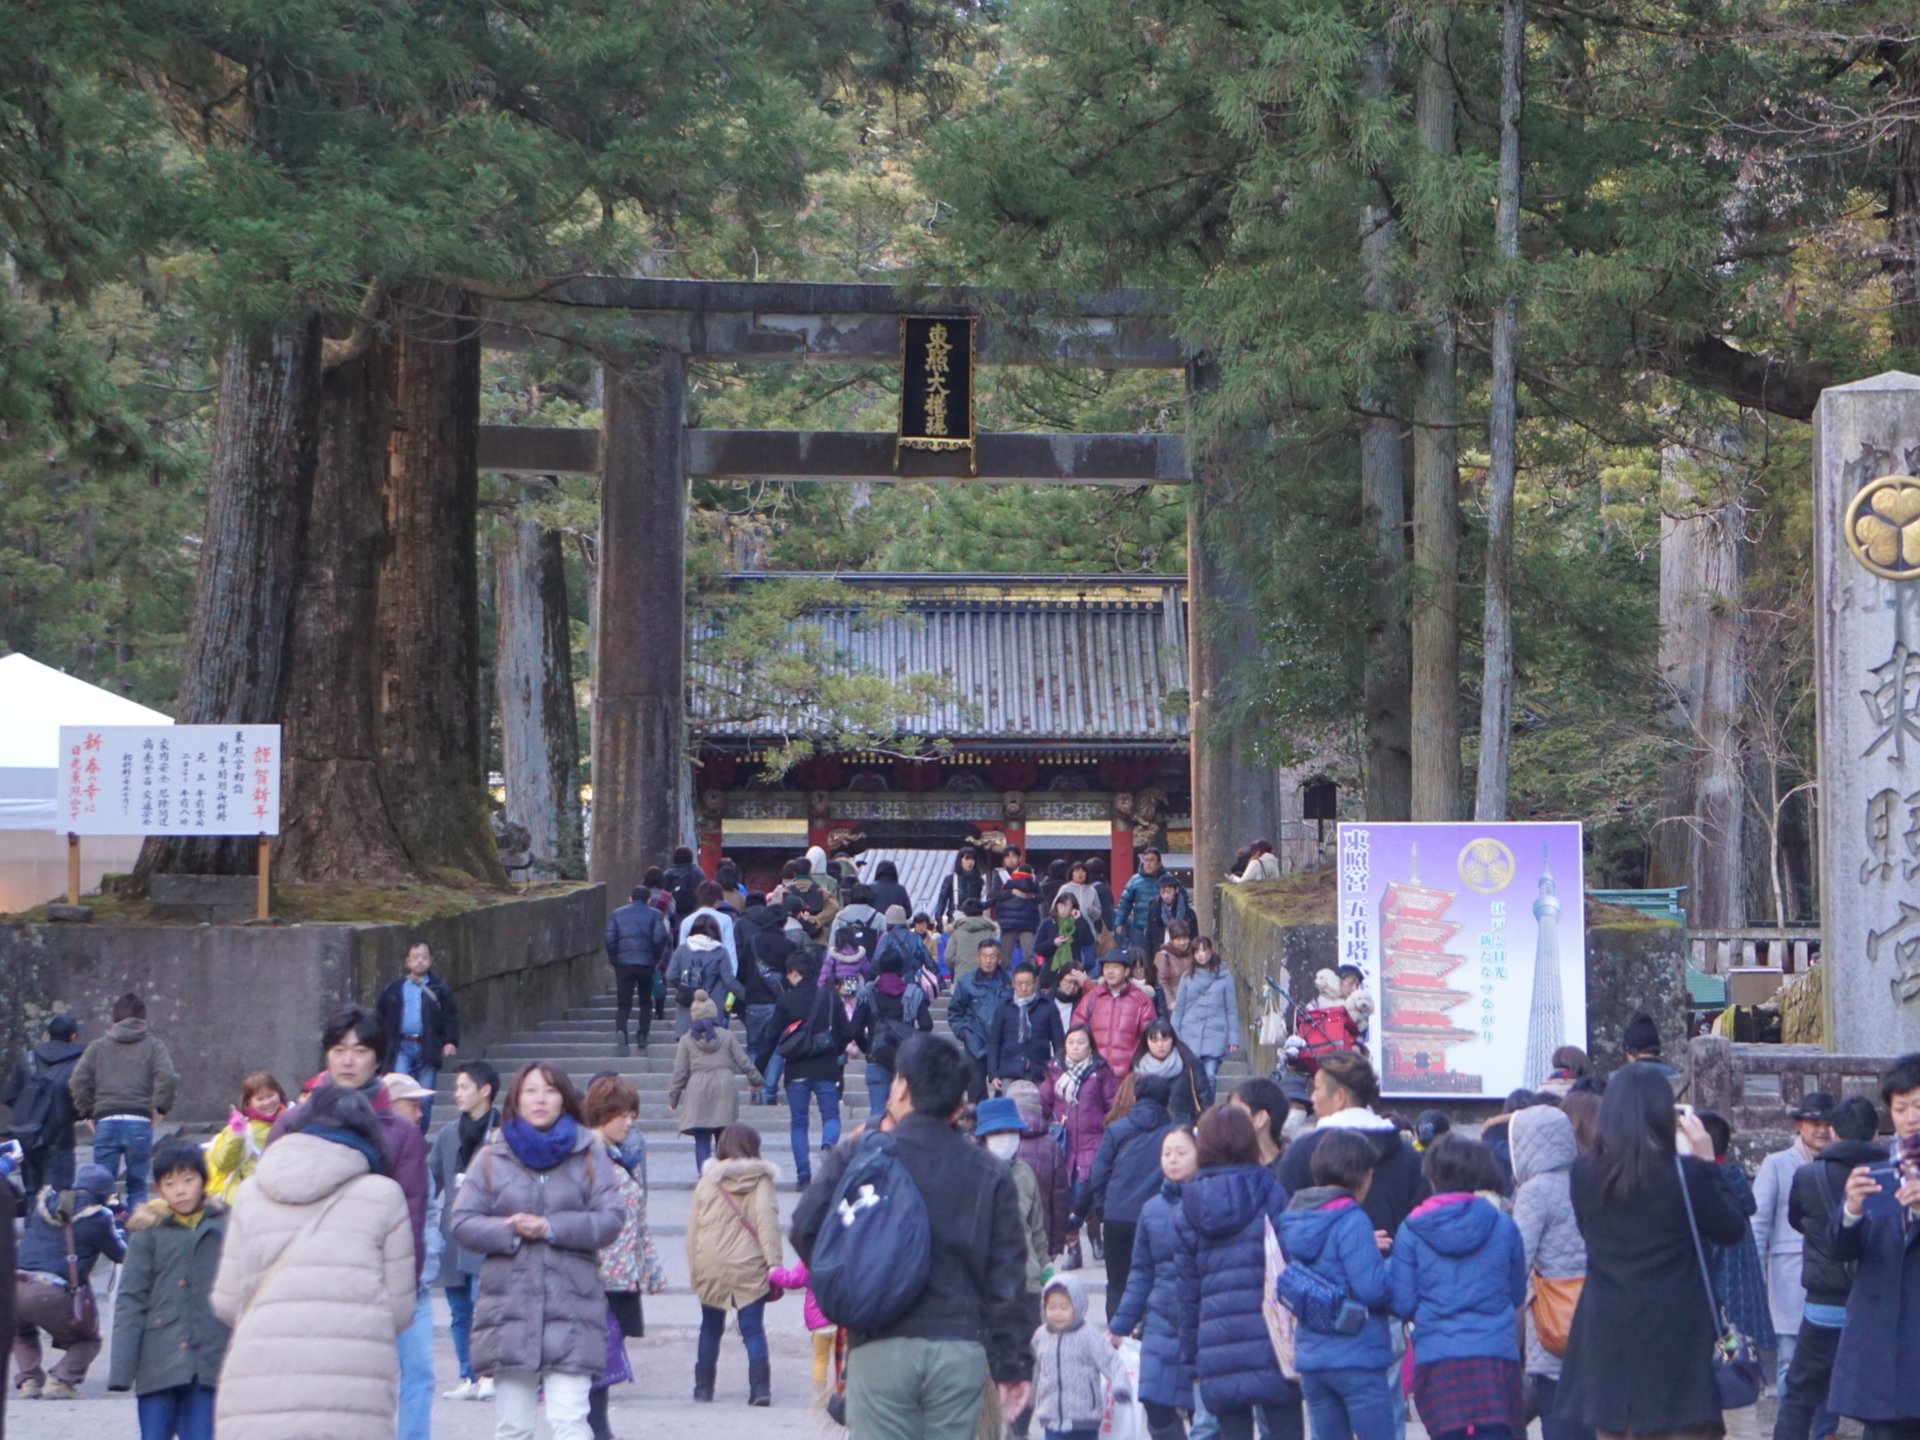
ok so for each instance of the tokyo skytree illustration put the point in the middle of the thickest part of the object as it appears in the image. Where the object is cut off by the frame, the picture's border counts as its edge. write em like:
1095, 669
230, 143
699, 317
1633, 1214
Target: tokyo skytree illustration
1545, 1022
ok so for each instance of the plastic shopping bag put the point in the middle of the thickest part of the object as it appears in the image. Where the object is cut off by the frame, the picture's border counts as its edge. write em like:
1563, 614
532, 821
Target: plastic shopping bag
1279, 1319
1126, 1420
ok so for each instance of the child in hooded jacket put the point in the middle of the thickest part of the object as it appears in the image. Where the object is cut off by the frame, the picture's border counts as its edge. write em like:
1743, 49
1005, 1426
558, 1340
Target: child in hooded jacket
1342, 1377
795, 1277
1074, 1365
1459, 1273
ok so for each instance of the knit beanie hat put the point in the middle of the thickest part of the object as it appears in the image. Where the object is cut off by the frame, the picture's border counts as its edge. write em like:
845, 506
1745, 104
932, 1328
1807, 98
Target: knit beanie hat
703, 1007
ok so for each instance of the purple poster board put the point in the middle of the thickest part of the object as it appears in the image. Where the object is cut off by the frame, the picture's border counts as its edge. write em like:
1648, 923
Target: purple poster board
1473, 941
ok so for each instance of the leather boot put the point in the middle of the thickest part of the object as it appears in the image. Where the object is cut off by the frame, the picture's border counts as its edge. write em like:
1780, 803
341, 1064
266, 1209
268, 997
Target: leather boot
759, 1382
703, 1383
620, 1046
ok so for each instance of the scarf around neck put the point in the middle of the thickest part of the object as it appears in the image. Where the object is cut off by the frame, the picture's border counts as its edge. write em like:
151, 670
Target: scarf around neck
473, 1134
376, 1162
1167, 1069
540, 1149
1068, 1086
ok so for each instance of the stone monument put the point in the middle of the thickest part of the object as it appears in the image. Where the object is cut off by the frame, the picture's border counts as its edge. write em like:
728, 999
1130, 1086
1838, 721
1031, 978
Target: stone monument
1866, 494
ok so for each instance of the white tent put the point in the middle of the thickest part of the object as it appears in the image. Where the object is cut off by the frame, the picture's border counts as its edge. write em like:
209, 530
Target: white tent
35, 701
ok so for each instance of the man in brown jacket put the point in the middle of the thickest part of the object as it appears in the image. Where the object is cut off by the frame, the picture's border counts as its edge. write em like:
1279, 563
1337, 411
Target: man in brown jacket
124, 1082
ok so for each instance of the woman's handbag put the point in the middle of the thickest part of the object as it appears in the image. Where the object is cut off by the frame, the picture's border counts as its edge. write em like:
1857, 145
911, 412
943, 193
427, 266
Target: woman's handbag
1551, 1305
84, 1308
1736, 1362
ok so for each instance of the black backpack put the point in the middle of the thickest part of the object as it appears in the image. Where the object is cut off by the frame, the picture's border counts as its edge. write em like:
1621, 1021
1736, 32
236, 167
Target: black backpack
44, 1105
873, 1255
685, 881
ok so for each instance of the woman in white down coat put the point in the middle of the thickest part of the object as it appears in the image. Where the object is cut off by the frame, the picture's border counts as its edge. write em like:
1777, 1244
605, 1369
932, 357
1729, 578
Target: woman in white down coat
316, 1279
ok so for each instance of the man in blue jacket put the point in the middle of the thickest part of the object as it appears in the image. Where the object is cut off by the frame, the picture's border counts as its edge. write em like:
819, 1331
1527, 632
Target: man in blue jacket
973, 1009
636, 941
1876, 1372
1142, 888
1027, 1033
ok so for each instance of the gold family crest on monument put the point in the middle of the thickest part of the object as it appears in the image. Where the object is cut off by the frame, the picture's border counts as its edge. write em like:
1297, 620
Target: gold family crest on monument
1882, 526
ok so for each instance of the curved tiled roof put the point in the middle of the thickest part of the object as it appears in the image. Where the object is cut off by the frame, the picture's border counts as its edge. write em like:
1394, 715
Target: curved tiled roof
1075, 659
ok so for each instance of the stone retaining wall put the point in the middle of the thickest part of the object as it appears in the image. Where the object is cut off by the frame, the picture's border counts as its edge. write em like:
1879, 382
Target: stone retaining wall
228, 999
1755, 1085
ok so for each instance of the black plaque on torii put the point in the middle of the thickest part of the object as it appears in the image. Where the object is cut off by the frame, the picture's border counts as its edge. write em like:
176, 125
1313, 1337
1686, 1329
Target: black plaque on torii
936, 385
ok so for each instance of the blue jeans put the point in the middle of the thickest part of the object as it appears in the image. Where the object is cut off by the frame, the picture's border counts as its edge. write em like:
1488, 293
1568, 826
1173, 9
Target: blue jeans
129, 1138
1204, 1427
426, 1069
460, 1309
1275, 1422
827, 1092
180, 1412
703, 1139
879, 1085
759, 1020
415, 1347
1342, 1403
1210, 1065
713, 1324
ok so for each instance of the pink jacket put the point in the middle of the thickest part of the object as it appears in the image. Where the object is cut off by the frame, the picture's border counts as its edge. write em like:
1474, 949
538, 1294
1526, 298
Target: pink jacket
1117, 1022
794, 1277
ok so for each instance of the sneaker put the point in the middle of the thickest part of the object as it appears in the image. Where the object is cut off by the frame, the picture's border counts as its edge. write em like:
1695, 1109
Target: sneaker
1099, 1247
29, 1389
465, 1390
59, 1390
1071, 1260
485, 1388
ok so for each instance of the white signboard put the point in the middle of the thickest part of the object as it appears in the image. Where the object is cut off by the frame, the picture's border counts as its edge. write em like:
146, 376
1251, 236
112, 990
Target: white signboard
169, 780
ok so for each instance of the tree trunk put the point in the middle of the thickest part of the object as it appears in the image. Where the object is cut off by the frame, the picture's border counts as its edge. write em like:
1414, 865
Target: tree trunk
1702, 575
1496, 683
1903, 207
1436, 475
432, 751
1383, 505
259, 490
641, 779
1236, 800
539, 746
336, 822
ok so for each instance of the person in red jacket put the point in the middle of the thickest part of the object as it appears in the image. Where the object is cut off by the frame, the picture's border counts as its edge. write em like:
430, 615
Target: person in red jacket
1117, 1011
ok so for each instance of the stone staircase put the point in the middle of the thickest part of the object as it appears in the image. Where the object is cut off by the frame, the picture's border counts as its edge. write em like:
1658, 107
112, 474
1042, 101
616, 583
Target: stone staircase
582, 1041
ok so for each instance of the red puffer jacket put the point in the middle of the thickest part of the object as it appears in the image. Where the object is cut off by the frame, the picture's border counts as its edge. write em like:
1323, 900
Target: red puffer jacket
1117, 1022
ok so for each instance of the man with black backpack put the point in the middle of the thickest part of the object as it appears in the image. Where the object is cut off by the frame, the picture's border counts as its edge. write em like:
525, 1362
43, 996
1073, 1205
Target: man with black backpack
814, 1029
683, 881
42, 1117
922, 1371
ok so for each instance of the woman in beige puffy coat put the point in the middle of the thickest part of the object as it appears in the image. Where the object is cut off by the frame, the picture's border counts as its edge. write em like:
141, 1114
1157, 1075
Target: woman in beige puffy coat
539, 1202
316, 1280
703, 1092
733, 1240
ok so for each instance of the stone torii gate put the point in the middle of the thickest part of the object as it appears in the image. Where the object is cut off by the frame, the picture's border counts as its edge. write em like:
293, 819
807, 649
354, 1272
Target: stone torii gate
645, 456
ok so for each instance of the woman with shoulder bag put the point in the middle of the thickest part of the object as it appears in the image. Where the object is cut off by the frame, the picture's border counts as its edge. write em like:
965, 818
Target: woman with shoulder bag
1640, 1357
1543, 1154
733, 1243
540, 1201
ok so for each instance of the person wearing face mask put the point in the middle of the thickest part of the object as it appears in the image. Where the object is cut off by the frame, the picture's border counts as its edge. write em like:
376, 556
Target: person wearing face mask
1150, 1306
997, 1125
541, 1200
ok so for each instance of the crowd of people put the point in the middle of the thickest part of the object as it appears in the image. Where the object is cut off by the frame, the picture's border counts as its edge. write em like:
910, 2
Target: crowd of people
1284, 1255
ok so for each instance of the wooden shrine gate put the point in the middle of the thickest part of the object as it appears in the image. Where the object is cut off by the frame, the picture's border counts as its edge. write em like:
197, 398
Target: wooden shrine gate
645, 456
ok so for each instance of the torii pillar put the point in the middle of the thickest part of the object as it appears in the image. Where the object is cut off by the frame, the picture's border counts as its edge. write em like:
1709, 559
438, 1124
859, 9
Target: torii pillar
1235, 799
640, 768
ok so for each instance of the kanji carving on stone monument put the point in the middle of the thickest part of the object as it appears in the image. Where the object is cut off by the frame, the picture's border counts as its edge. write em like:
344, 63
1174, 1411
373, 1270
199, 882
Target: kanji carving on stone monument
1894, 703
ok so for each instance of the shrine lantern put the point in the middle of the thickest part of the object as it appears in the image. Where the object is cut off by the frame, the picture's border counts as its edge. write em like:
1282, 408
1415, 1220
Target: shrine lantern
1014, 773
